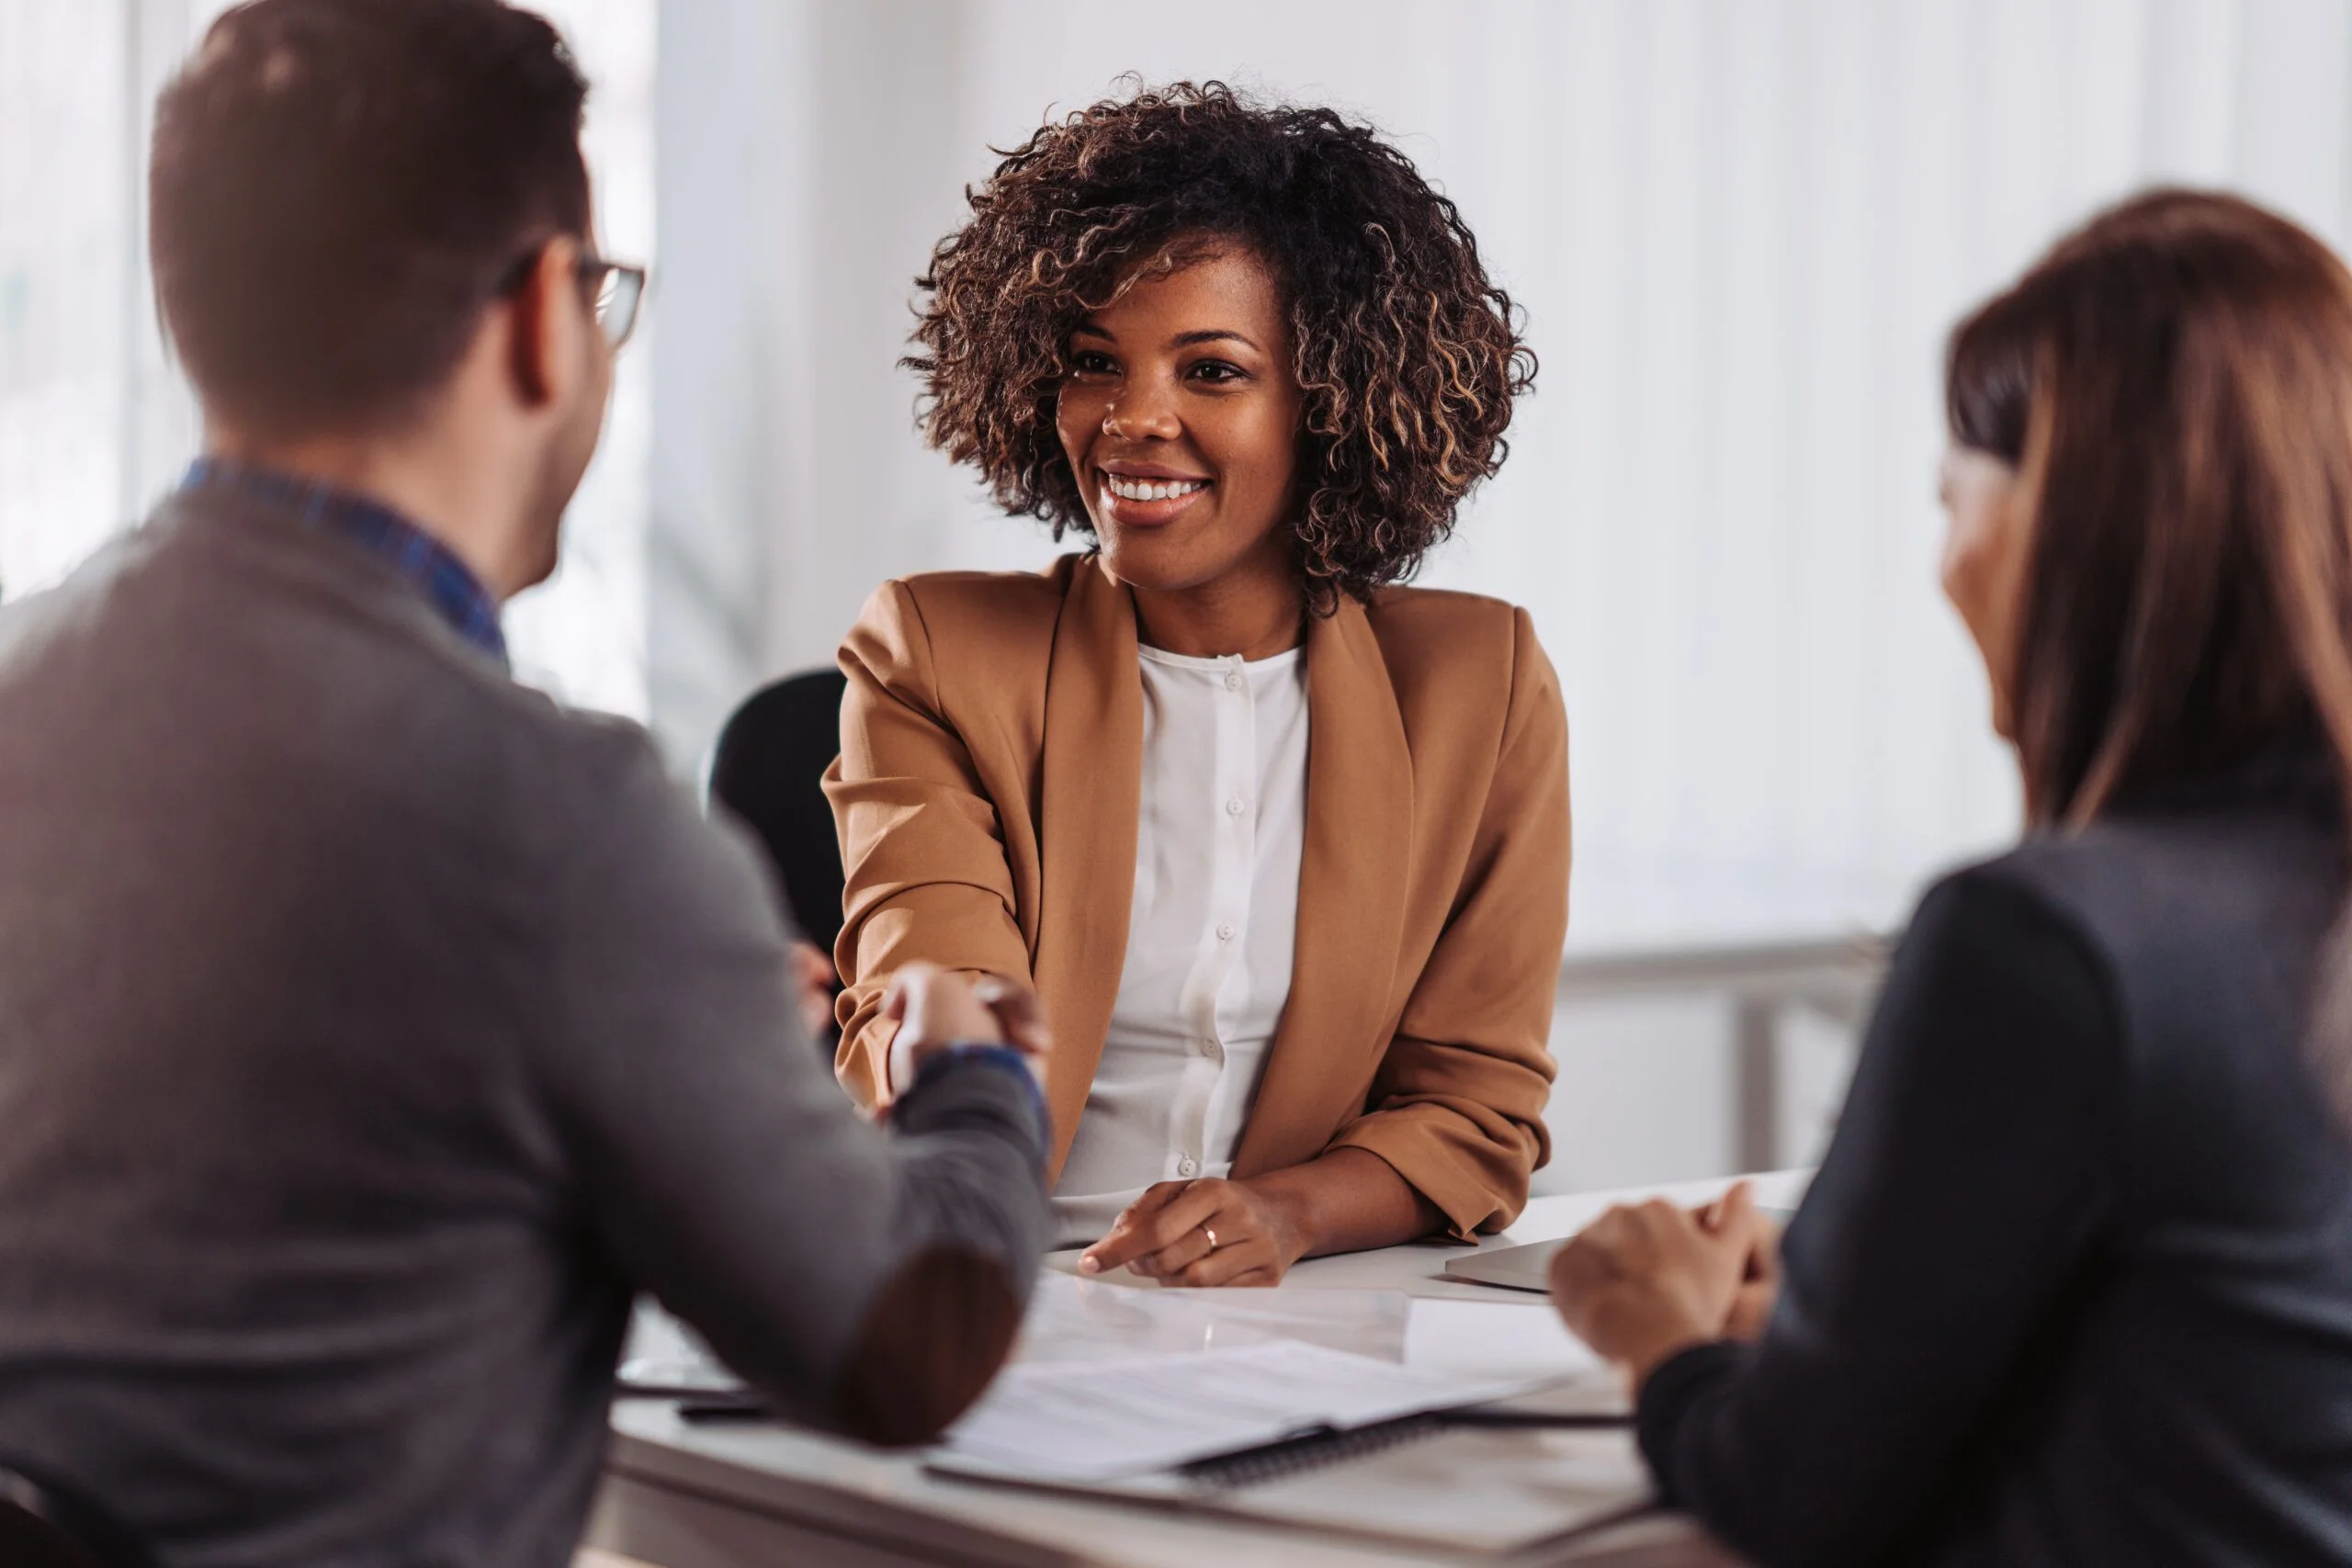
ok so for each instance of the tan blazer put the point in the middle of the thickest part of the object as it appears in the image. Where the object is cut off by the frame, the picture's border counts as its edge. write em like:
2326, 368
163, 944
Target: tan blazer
987, 797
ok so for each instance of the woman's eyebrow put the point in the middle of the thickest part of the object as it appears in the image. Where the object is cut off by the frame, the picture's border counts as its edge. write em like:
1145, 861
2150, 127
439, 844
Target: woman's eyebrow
1216, 334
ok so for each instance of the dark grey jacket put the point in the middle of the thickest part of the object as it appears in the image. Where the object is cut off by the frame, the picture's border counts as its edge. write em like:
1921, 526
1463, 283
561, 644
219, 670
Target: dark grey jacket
2074, 1283
370, 1030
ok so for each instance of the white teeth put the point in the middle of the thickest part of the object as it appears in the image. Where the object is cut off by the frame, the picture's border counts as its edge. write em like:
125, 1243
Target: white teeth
1151, 490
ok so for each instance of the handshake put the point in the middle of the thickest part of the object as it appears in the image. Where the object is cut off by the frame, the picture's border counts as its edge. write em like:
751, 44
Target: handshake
936, 1007
933, 1009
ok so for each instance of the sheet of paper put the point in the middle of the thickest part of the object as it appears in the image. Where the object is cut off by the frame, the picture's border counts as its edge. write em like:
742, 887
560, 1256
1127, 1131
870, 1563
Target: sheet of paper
1085, 1320
666, 1356
1097, 1420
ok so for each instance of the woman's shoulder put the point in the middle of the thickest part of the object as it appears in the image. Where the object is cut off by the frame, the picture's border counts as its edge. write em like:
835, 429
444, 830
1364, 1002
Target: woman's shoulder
1440, 639
971, 611
1440, 612
2158, 896
2236, 857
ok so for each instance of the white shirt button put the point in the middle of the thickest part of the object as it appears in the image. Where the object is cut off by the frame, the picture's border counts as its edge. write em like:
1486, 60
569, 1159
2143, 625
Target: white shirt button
1224, 930
1234, 808
1188, 1166
1233, 682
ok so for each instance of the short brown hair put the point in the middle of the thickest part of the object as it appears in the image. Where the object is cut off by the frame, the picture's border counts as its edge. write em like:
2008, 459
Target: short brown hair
2174, 380
338, 187
1408, 355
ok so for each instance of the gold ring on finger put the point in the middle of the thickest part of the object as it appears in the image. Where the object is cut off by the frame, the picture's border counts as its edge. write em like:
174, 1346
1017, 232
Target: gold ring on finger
1210, 1232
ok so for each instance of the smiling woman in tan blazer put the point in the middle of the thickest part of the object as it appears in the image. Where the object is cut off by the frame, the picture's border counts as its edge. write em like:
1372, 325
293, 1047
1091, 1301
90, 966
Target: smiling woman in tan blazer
1259, 463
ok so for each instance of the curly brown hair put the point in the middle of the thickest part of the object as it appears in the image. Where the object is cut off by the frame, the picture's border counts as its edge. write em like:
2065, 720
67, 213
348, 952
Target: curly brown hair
1408, 355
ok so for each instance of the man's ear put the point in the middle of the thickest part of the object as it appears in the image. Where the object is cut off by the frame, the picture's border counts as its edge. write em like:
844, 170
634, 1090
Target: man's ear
541, 338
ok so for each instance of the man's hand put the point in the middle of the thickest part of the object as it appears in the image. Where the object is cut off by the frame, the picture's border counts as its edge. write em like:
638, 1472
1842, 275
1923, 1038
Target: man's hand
1207, 1232
1643, 1282
810, 969
935, 1007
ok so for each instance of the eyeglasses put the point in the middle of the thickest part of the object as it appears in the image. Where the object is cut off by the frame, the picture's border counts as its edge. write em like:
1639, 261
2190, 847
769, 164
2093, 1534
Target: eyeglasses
620, 289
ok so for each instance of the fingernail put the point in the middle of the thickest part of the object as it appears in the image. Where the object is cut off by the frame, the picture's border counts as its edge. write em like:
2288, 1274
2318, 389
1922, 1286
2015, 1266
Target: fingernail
1088, 1265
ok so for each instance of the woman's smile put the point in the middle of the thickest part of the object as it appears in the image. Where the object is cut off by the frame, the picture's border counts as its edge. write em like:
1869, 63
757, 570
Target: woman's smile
1141, 496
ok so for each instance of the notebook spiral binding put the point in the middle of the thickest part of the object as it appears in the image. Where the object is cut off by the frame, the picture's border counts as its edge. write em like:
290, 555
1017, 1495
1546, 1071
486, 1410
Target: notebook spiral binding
1308, 1450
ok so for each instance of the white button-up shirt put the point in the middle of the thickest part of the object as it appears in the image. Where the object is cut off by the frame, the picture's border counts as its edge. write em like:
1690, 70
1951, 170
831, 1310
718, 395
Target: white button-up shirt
1220, 828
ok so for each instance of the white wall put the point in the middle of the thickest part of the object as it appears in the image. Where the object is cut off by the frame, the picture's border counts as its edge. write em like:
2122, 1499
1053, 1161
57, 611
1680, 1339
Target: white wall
96, 424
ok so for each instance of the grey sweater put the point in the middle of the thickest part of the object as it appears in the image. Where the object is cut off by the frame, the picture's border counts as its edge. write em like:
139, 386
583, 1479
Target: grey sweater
370, 1030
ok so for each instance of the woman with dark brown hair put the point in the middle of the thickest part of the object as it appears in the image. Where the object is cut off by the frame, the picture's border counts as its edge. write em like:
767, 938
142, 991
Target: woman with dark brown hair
1282, 845
2074, 1284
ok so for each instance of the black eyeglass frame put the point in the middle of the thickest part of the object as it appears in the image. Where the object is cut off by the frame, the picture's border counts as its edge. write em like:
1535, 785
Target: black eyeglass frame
620, 289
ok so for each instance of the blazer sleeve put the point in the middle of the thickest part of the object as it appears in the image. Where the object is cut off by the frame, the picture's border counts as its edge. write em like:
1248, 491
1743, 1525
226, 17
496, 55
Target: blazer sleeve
923, 855
1456, 1105
1954, 1226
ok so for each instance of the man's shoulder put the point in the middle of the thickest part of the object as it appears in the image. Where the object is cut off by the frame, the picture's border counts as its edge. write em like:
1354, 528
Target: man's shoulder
602, 754
355, 666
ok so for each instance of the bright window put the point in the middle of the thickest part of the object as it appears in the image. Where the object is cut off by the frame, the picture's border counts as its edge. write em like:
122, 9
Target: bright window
95, 426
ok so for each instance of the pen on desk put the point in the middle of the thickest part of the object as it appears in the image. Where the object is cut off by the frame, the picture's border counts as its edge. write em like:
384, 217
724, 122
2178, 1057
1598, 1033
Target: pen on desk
658, 1388
1474, 1416
700, 1411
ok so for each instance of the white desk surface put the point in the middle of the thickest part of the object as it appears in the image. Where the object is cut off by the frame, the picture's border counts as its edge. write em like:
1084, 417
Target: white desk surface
882, 1508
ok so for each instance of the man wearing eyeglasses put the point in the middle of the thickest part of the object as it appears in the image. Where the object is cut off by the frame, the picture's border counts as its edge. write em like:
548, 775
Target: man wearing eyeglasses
372, 1028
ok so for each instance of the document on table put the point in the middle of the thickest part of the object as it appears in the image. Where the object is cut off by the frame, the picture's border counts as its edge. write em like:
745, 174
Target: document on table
1099, 1420
1097, 1320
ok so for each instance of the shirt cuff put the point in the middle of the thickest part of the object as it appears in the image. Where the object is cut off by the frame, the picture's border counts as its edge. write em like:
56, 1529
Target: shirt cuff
950, 1061
1673, 1387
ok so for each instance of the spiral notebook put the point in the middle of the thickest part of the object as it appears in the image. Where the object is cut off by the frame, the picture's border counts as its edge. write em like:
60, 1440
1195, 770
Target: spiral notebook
1300, 1435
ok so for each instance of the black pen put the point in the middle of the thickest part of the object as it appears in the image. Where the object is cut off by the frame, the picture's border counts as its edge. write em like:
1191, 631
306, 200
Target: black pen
723, 1409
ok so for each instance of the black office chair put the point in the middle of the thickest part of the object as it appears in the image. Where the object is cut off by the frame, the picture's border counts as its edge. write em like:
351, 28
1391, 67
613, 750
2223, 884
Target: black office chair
769, 770
43, 1525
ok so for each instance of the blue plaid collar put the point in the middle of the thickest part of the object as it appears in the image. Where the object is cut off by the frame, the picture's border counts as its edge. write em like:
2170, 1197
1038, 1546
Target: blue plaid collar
399, 543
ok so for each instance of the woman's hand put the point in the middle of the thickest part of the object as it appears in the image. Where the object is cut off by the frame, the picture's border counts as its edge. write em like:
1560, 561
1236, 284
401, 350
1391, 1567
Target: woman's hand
1641, 1284
1207, 1232
936, 1007
1759, 1284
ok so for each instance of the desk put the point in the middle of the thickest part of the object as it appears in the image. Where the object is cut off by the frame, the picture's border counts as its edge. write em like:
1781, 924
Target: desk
688, 1496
